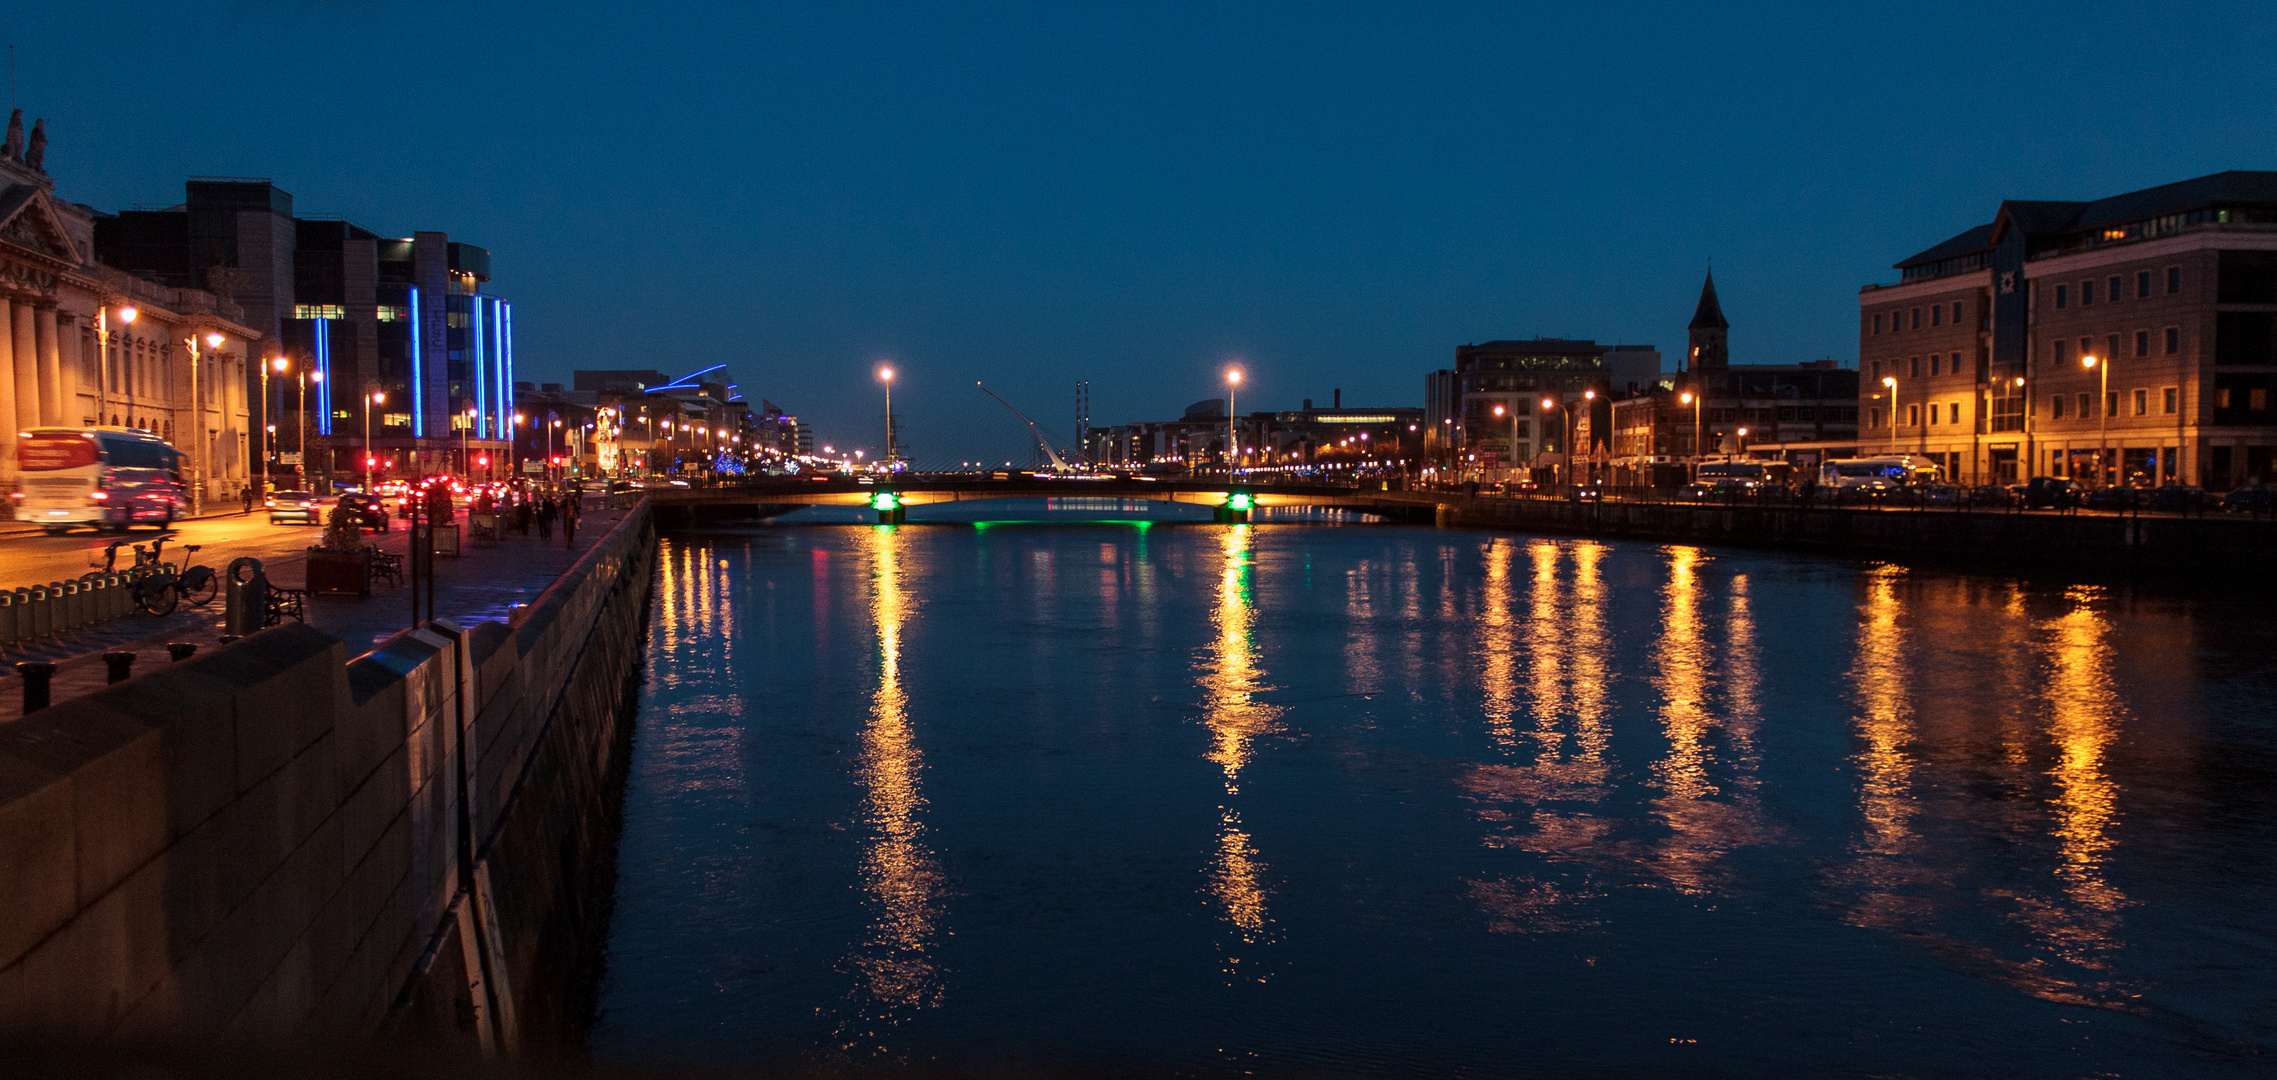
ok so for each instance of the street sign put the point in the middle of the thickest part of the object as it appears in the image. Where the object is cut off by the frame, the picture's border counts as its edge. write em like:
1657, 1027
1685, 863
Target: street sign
533, 468
288, 459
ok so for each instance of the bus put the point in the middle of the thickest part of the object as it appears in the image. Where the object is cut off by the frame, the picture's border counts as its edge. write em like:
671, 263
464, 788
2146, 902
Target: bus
108, 478
1876, 475
1757, 473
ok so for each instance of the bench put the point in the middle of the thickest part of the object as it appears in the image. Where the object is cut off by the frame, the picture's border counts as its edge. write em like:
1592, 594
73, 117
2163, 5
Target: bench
387, 565
283, 602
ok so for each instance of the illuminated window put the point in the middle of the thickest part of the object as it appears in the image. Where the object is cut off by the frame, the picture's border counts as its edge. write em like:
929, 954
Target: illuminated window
2142, 403
390, 313
319, 311
2170, 400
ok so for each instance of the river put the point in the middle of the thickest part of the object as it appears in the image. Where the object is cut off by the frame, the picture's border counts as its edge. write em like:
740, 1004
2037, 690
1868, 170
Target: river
1373, 800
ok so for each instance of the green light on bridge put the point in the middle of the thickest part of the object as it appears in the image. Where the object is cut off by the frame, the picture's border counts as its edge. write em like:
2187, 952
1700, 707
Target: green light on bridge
1240, 500
885, 500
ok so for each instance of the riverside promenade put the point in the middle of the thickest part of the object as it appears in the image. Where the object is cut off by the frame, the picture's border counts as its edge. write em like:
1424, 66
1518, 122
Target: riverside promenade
480, 584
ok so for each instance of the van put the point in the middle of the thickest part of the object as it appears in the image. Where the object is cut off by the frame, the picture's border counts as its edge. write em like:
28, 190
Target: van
108, 478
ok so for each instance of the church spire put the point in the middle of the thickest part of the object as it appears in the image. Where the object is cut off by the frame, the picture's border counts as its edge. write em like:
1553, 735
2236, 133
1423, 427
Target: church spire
1709, 349
1711, 314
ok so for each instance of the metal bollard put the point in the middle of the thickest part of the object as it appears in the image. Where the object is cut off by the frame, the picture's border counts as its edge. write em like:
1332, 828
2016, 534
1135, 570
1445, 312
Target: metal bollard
43, 612
121, 664
7, 617
180, 651
36, 675
121, 603
74, 615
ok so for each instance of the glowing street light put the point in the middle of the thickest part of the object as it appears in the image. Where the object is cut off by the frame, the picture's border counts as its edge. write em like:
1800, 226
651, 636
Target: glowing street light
885, 376
2103, 415
1232, 434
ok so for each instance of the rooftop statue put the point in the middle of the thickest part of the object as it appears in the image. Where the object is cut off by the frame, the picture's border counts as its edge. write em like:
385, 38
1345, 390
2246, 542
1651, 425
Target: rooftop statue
15, 148
35, 155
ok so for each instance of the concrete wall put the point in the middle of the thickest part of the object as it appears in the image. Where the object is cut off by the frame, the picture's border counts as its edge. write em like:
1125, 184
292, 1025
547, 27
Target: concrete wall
1990, 539
269, 840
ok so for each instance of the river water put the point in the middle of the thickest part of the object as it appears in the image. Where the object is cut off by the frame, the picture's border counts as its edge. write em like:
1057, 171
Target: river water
1386, 800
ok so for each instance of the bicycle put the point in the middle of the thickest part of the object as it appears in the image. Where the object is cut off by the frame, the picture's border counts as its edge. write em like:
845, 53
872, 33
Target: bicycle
161, 587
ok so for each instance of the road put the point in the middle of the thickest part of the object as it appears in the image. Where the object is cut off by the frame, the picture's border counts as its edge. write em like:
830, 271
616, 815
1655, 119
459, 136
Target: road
36, 559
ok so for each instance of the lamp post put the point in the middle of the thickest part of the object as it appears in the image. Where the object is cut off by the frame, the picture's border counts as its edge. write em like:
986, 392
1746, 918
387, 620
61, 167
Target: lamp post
2102, 414
376, 397
885, 375
550, 429
514, 450
268, 430
1513, 454
306, 377
198, 425
1890, 383
103, 355
466, 446
1692, 399
1232, 433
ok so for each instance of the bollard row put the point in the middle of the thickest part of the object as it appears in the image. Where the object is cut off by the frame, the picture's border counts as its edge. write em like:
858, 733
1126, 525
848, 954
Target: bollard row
60, 607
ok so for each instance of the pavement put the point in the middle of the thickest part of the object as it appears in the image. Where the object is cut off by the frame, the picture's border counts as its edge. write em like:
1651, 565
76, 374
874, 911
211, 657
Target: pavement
479, 584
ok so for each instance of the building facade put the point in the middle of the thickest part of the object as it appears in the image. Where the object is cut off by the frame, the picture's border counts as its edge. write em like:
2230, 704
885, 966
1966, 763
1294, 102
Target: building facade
398, 327
83, 344
1517, 403
1979, 355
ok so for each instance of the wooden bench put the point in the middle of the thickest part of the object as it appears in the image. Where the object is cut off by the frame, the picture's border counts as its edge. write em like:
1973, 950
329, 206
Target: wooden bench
387, 565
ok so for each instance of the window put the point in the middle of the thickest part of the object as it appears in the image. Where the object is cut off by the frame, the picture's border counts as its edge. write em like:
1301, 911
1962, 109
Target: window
2061, 349
1913, 416
2173, 340
2111, 347
1804, 413
1956, 313
2142, 403
2173, 280
391, 313
1917, 318
1953, 412
1874, 417
1936, 360
2142, 284
2085, 406
2063, 296
2111, 404
2170, 400
2118, 287
1913, 367
2086, 348
319, 311
2056, 407
1877, 324
1877, 371
2142, 343
1937, 315
2257, 398
2086, 293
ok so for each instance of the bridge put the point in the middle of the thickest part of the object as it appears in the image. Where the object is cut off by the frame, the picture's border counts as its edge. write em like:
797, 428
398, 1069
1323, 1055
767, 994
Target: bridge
777, 494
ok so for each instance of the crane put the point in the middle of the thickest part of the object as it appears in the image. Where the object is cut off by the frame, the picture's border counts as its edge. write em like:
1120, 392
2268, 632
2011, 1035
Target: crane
1058, 464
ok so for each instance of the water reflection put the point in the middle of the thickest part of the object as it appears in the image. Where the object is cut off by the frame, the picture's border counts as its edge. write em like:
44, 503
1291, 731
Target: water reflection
2085, 716
898, 870
1231, 680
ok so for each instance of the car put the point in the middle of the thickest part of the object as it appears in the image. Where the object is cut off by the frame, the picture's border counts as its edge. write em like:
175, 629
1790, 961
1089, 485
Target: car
297, 507
1991, 495
1695, 492
2179, 498
2053, 492
2251, 499
1943, 495
2113, 497
371, 511
1588, 493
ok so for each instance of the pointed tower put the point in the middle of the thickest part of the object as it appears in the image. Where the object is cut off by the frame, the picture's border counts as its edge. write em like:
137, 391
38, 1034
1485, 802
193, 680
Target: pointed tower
1708, 351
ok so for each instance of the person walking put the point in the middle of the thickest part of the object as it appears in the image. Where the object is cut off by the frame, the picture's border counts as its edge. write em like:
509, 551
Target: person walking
546, 512
248, 498
522, 513
569, 523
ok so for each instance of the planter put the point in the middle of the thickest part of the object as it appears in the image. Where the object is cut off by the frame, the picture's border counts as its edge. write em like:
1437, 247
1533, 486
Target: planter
446, 539
340, 572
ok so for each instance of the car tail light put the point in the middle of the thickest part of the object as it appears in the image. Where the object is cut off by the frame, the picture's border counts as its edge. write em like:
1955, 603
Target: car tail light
15, 494
99, 496
268, 502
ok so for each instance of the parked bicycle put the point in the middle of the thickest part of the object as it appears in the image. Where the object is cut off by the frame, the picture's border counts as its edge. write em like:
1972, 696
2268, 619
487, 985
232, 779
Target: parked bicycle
159, 586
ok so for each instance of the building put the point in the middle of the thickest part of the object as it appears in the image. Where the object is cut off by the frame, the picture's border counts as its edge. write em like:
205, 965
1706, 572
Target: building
1711, 406
1520, 401
1977, 356
351, 313
83, 344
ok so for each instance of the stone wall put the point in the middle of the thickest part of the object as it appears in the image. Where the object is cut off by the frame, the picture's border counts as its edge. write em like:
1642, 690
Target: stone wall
272, 841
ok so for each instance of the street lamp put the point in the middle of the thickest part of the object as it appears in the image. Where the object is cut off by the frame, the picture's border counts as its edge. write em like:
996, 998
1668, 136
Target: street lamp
514, 451
1692, 399
885, 375
2103, 415
306, 377
1890, 382
103, 355
1232, 433
376, 397
198, 424
466, 446
268, 430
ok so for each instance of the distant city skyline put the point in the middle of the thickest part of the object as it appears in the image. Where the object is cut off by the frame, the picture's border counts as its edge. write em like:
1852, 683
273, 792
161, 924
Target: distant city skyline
1335, 198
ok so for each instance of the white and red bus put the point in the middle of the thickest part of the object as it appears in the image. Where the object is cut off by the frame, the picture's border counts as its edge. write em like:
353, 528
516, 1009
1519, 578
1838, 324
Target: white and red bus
109, 478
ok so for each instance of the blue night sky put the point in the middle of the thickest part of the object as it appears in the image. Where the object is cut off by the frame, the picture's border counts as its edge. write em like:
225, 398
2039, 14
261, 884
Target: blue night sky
1031, 194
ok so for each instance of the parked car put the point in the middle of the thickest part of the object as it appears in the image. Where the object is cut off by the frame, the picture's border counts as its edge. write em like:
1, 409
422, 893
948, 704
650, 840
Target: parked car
1943, 495
1588, 493
2180, 498
370, 510
297, 507
2251, 499
2053, 492
1696, 492
1991, 495
2113, 497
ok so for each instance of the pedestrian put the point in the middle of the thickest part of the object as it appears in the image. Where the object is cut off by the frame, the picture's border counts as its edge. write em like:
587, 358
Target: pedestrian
248, 498
522, 513
569, 527
545, 518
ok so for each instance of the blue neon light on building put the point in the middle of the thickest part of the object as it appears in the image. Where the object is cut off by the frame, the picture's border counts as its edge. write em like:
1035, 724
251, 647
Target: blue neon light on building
418, 384
481, 421
324, 377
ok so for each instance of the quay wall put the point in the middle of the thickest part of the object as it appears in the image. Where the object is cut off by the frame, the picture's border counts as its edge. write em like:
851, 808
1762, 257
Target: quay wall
1987, 538
269, 841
